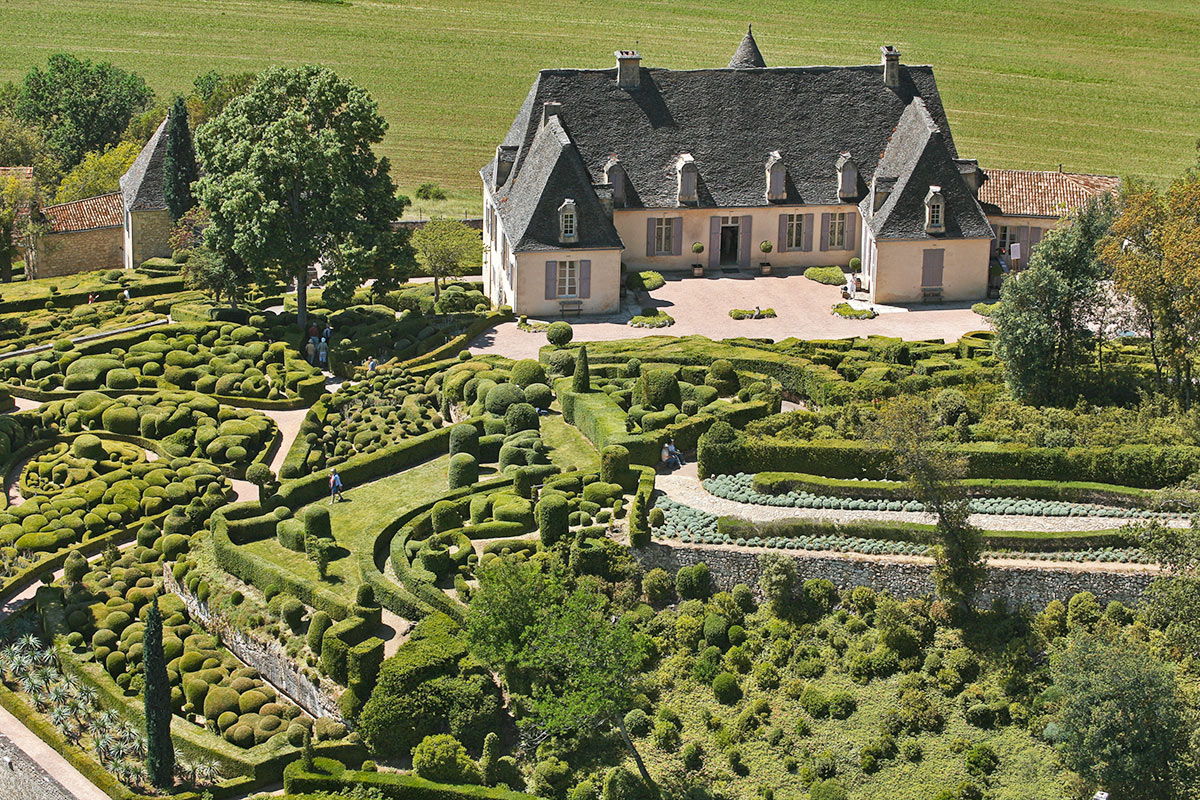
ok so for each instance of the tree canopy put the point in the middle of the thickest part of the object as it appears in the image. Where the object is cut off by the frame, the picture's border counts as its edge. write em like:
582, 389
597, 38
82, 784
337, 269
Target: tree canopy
447, 248
290, 179
79, 105
98, 173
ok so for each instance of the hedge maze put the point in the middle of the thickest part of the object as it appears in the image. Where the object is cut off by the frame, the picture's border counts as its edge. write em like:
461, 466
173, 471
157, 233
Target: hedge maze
460, 469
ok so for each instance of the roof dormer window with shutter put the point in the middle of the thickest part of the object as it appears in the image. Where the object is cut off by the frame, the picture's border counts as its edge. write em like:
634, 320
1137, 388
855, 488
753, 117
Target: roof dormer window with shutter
776, 172
847, 177
935, 211
614, 174
685, 167
568, 222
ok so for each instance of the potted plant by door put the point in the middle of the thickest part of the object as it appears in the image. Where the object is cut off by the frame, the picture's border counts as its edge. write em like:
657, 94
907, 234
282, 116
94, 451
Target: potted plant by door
697, 268
764, 267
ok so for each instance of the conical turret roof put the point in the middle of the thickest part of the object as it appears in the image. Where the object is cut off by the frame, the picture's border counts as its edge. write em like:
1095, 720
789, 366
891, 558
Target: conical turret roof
747, 55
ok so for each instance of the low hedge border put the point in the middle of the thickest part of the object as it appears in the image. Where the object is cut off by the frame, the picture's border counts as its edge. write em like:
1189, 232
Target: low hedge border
1140, 466
145, 290
462, 340
334, 779
639, 511
1071, 492
40, 396
1024, 541
297, 454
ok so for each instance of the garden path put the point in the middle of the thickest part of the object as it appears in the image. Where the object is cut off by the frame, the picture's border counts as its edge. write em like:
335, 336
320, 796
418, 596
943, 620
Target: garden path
70, 779
687, 489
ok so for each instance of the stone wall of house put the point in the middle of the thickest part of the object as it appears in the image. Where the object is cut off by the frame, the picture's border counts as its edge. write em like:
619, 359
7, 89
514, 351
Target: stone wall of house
317, 697
1017, 587
79, 251
22, 777
151, 236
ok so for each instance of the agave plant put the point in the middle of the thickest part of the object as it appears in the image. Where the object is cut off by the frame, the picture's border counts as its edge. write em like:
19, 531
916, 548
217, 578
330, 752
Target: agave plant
46, 656
88, 695
108, 720
207, 771
59, 695
19, 663
61, 717
104, 744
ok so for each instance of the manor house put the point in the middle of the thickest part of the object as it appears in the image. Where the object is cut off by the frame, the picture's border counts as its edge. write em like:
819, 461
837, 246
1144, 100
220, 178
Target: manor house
723, 169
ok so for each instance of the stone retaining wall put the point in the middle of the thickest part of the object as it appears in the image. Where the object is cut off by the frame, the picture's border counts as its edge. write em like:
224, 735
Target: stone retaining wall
268, 657
22, 777
1017, 587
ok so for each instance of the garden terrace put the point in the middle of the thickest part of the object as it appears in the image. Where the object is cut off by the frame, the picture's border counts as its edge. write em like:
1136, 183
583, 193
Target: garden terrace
221, 359
27, 329
68, 291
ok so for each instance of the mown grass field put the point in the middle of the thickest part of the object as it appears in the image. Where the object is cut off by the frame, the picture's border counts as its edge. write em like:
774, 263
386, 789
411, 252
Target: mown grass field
1102, 86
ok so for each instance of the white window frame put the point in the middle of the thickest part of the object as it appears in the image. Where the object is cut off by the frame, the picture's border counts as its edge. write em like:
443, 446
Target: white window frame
837, 230
568, 224
568, 278
936, 215
664, 231
794, 237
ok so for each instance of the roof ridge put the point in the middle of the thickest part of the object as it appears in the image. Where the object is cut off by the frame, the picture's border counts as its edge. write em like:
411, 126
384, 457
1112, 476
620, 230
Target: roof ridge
91, 199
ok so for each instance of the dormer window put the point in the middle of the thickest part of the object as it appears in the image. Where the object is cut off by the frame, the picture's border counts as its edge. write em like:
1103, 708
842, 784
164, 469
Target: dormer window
685, 167
614, 174
847, 177
775, 177
568, 230
935, 211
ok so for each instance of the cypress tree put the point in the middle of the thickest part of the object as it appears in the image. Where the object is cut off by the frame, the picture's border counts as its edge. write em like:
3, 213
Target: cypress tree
307, 754
160, 752
581, 381
179, 162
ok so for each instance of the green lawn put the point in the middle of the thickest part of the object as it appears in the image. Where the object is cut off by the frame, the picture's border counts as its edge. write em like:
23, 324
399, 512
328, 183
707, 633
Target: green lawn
1105, 86
570, 449
357, 522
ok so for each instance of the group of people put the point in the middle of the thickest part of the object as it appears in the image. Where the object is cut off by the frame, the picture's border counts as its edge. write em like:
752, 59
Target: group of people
671, 455
316, 350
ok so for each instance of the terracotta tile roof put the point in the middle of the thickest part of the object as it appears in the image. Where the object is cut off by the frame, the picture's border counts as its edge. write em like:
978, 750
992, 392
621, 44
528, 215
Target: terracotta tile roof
23, 174
105, 211
1028, 193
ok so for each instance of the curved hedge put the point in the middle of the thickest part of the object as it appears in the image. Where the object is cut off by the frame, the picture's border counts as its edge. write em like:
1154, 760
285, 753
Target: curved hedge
335, 778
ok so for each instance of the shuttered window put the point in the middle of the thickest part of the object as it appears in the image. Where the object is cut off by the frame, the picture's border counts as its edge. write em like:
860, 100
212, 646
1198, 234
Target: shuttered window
837, 231
568, 278
795, 232
663, 238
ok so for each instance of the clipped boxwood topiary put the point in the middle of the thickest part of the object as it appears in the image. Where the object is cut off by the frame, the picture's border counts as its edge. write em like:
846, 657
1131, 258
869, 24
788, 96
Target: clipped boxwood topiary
464, 439
539, 395
726, 689
500, 397
463, 470
526, 372
553, 515
559, 333
519, 417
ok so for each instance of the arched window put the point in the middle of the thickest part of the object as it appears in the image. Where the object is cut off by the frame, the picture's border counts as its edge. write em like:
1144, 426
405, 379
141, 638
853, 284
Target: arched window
935, 211
568, 222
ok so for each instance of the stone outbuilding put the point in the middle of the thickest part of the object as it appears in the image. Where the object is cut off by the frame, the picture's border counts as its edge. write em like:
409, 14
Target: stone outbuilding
147, 222
81, 235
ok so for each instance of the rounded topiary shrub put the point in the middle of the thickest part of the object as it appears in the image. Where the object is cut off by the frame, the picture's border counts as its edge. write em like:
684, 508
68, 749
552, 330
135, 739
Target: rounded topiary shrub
726, 689
463, 470
526, 372
553, 516
316, 521
520, 417
219, 700
464, 439
637, 723
562, 362
89, 446
500, 397
614, 464
722, 377
560, 333
445, 516
659, 388
443, 759
539, 395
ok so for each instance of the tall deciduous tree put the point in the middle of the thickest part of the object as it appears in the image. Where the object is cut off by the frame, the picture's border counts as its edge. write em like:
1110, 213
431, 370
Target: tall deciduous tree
1154, 252
98, 173
16, 199
1045, 316
290, 179
934, 474
160, 752
179, 162
219, 274
1122, 716
79, 105
447, 248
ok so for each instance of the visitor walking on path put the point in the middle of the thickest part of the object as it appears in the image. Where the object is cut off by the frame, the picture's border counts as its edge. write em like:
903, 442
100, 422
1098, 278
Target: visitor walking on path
310, 353
335, 487
323, 353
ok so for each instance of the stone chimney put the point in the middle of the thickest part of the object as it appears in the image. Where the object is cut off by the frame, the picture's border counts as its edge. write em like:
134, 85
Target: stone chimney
550, 110
629, 69
891, 66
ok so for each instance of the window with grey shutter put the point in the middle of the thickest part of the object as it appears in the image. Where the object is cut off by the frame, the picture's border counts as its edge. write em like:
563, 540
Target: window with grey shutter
677, 236
825, 231
851, 227
551, 280
714, 241
931, 268
650, 226
585, 279
783, 232
746, 240
808, 232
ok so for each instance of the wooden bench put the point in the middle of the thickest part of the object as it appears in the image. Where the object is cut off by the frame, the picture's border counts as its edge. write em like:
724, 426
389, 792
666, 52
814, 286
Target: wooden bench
931, 295
764, 268
570, 306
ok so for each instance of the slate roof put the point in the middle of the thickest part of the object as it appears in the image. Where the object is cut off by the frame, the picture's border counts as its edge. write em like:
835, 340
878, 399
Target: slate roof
917, 157
142, 185
553, 172
729, 120
104, 211
1029, 193
747, 55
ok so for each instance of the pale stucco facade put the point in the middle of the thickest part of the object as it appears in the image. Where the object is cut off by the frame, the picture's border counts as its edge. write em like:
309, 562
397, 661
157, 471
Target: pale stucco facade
1025, 230
905, 276
147, 235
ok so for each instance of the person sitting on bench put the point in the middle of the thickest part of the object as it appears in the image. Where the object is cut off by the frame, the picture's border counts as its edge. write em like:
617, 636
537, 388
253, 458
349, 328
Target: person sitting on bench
671, 455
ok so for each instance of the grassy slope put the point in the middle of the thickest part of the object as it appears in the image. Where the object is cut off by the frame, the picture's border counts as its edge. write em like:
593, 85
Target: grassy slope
1097, 86
570, 449
356, 523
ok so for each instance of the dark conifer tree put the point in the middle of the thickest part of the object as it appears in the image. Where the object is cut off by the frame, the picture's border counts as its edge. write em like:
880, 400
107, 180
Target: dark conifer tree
179, 163
160, 752
581, 378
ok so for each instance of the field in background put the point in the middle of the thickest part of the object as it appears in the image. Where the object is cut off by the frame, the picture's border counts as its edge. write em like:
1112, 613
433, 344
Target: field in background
1027, 83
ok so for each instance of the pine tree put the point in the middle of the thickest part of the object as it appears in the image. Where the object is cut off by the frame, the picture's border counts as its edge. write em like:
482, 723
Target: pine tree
581, 380
179, 163
160, 752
